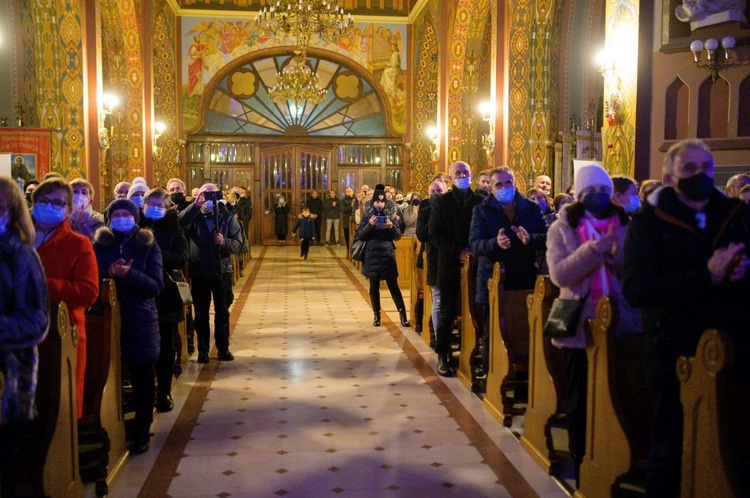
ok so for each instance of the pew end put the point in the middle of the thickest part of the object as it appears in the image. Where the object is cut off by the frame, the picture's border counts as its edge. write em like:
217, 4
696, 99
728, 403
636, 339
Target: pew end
507, 378
716, 436
103, 449
469, 359
619, 409
416, 287
546, 400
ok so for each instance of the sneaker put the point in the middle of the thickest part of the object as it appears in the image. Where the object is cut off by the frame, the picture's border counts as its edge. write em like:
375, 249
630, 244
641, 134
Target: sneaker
202, 357
226, 355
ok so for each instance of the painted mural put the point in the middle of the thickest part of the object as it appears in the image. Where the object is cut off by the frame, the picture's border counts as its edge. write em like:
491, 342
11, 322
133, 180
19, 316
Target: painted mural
209, 45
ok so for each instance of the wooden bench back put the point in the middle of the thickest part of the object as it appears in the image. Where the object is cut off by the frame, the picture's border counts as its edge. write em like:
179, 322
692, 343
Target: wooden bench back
471, 319
48, 461
546, 400
416, 287
509, 346
619, 407
716, 437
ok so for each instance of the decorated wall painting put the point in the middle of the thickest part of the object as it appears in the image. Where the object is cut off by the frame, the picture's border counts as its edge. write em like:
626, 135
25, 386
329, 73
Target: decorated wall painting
209, 45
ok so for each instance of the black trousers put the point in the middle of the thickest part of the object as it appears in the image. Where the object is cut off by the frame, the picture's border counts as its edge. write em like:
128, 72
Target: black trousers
318, 221
304, 247
664, 466
392, 283
10, 448
202, 290
142, 376
165, 365
576, 370
446, 317
346, 232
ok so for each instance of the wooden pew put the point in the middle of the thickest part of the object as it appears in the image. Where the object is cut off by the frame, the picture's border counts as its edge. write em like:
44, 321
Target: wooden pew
618, 413
716, 437
546, 400
404, 260
509, 349
48, 460
103, 449
416, 287
471, 325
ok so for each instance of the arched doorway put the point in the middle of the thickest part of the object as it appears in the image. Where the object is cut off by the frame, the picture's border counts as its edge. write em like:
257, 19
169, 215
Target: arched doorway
277, 149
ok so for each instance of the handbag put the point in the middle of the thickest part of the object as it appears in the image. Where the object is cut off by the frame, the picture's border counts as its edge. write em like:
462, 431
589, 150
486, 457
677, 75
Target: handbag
183, 288
358, 250
562, 320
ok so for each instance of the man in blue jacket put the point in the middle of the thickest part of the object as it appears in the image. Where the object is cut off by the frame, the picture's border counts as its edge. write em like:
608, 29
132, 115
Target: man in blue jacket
506, 228
213, 235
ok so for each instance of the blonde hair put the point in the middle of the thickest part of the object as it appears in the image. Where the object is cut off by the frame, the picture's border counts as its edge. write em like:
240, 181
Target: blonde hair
20, 219
84, 183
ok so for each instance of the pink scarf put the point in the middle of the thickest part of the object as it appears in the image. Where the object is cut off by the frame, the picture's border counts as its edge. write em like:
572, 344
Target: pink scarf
603, 281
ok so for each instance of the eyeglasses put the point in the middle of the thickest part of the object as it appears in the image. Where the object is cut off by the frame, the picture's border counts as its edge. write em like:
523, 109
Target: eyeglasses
58, 203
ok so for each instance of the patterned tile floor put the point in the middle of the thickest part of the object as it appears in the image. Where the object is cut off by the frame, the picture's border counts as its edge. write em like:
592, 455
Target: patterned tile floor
320, 403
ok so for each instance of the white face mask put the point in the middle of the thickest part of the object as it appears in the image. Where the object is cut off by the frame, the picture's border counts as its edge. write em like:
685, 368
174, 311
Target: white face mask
462, 183
80, 201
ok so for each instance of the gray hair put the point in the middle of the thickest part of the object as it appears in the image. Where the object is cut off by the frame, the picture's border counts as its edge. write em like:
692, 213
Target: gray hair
690, 143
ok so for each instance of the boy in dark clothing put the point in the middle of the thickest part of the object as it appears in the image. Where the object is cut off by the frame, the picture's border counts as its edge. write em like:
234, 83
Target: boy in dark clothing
306, 226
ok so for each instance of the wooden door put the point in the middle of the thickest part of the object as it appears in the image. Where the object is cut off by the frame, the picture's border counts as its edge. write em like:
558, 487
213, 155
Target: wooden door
294, 172
228, 177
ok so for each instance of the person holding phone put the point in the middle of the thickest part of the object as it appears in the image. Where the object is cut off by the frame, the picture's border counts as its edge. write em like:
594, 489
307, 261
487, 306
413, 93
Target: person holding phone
213, 236
379, 228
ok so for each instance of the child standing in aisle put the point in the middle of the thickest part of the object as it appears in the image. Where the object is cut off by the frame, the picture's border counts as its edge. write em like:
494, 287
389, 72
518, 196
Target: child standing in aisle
306, 226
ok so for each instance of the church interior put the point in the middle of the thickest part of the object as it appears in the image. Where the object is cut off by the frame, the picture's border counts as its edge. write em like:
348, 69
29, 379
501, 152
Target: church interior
289, 97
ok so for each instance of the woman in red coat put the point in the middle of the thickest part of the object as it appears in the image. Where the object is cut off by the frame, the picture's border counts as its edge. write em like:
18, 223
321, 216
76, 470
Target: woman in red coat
69, 262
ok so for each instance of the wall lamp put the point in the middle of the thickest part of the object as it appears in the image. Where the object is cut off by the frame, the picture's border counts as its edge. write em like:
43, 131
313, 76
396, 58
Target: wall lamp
714, 62
109, 104
432, 135
159, 129
488, 139
610, 67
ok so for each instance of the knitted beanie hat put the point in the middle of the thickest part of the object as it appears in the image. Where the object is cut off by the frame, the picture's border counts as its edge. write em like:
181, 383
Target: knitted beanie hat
379, 191
591, 174
123, 204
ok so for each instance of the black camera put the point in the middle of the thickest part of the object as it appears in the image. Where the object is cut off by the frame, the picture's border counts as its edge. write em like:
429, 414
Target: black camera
213, 196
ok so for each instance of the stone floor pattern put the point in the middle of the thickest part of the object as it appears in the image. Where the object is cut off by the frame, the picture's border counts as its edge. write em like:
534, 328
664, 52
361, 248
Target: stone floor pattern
320, 403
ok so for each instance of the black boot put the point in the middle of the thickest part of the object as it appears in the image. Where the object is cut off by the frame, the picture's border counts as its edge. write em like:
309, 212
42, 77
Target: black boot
376, 319
404, 320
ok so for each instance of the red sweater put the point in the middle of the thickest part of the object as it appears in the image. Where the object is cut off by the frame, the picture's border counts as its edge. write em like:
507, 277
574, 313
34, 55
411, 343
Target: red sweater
73, 277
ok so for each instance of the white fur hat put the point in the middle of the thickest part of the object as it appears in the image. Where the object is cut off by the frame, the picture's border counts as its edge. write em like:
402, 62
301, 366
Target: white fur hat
591, 174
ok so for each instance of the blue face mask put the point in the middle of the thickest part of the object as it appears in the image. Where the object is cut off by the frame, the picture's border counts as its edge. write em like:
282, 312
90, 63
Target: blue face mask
49, 215
4, 224
137, 200
505, 195
462, 183
633, 205
154, 212
122, 224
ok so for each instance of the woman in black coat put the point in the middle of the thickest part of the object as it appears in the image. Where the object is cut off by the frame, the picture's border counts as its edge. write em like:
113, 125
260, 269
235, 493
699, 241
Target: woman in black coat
281, 223
174, 254
130, 256
379, 228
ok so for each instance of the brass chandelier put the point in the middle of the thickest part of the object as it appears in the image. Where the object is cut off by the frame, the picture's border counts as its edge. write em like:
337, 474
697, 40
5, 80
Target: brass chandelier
301, 19
297, 83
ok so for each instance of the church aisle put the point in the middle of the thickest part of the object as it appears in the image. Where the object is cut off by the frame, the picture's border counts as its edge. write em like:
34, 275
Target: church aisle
320, 403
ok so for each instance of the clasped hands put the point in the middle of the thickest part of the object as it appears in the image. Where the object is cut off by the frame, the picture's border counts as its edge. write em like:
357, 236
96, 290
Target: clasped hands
728, 263
120, 268
503, 241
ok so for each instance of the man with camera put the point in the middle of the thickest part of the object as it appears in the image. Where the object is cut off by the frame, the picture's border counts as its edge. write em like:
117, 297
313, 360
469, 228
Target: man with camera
213, 235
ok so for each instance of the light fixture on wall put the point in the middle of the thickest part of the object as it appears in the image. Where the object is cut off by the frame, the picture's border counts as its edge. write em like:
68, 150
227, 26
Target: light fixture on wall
609, 65
714, 63
432, 135
159, 129
488, 139
301, 19
296, 84
109, 103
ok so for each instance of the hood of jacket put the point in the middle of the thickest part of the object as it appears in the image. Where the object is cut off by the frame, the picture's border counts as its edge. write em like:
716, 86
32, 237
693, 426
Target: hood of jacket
105, 236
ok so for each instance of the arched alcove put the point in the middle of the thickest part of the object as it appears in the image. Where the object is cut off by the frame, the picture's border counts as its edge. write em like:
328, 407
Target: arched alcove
713, 108
743, 125
676, 110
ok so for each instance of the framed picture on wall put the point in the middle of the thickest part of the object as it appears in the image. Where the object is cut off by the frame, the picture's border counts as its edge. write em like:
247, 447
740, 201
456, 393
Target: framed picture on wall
23, 166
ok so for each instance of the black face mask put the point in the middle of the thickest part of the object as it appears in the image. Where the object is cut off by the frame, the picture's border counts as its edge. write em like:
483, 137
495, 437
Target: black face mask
177, 198
28, 197
595, 202
697, 187
415, 202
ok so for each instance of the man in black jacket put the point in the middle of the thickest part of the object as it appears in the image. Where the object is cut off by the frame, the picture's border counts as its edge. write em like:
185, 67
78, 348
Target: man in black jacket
436, 189
450, 219
686, 267
213, 234
244, 208
315, 205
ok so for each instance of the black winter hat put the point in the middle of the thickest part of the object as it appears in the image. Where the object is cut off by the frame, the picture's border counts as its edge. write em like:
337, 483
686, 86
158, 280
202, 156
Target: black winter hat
379, 191
123, 204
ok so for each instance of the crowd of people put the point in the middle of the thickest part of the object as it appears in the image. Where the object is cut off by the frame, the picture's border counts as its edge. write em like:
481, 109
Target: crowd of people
672, 255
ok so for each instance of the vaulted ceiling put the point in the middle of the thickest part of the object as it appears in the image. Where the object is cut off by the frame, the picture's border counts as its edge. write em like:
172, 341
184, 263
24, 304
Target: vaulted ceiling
356, 7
